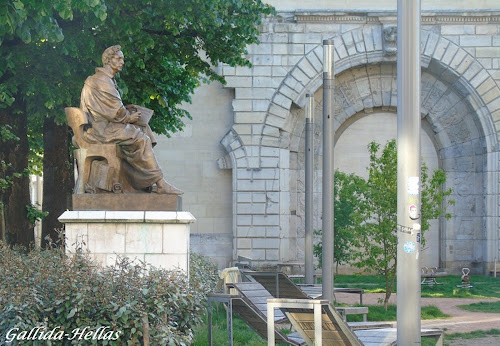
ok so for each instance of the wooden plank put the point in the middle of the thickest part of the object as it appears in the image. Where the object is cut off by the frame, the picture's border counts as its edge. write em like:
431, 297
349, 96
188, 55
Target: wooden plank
333, 333
259, 293
257, 296
255, 320
246, 285
369, 325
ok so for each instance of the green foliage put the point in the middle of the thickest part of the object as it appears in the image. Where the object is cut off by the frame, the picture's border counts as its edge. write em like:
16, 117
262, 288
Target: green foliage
348, 189
6, 176
35, 213
6, 134
170, 46
376, 235
366, 213
46, 288
203, 274
48, 49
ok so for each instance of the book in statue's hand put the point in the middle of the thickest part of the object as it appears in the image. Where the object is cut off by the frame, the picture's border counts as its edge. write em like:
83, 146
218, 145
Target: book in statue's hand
146, 114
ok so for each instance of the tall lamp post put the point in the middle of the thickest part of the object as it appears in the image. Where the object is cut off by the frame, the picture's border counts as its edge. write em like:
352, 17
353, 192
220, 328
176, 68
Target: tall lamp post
327, 187
309, 157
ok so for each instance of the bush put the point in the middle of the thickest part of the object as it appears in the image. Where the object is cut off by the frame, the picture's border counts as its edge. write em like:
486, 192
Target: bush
120, 305
203, 274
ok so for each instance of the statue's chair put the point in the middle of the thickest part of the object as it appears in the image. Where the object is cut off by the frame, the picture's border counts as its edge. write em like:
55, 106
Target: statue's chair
99, 165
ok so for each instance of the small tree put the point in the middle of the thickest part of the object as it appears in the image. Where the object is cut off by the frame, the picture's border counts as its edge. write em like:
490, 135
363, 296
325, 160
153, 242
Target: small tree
348, 191
376, 236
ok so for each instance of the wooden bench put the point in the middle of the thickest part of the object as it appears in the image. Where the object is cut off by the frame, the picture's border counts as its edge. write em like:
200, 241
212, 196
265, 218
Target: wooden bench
353, 310
316, 321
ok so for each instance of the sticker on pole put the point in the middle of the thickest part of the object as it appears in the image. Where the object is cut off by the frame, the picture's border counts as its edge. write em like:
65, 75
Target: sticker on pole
413, 186
409, 246
413, 212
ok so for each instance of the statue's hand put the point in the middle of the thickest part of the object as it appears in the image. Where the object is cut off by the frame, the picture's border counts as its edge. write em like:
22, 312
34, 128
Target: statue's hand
131, 108
134, 117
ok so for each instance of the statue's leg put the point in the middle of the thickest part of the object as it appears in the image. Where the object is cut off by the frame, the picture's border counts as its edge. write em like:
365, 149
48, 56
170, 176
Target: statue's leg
140, 164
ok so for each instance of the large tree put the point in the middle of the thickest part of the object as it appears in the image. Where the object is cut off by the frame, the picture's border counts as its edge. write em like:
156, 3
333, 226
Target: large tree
48, 48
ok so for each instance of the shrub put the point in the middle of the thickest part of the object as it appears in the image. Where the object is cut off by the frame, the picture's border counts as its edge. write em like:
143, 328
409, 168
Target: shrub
203, 274
128, 302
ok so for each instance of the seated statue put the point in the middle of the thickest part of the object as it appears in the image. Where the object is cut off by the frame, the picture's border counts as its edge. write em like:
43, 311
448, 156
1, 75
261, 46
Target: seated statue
111, 123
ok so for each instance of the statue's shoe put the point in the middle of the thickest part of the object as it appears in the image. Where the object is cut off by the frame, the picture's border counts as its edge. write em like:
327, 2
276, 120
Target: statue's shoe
164, 188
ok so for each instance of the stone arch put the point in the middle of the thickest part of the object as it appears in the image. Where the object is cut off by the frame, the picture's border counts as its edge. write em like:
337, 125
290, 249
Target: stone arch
236, 151
455, 104
443, 58
379, 81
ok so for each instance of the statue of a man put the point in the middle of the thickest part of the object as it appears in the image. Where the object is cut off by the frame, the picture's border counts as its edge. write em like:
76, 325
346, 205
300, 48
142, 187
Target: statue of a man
112, 122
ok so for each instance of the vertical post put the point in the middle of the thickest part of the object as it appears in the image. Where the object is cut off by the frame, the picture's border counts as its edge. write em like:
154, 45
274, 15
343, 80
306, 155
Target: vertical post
209, 322
229, 317
495, 268
270, 324
328, 142
318, 325
309, 157
408, 139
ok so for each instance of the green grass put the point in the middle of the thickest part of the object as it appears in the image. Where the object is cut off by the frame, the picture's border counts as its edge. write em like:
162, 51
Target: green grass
472, 335
493, 307
428, 341
378, 313
483, 286
242, 334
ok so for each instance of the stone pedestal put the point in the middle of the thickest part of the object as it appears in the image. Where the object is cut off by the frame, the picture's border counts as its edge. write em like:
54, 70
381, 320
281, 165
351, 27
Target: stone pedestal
160, 238
127, 202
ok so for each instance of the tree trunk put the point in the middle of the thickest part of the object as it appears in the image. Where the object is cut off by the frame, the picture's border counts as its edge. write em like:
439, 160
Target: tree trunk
57, 178
17, 229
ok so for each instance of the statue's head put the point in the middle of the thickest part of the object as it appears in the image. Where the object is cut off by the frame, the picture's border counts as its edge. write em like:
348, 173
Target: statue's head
109, 53
113, 56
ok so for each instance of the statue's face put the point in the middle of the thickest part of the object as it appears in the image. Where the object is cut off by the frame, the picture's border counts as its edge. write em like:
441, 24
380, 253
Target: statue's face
117, 61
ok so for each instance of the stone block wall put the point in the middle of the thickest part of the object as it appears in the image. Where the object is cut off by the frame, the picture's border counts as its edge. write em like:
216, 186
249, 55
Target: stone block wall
258, 119
460, 100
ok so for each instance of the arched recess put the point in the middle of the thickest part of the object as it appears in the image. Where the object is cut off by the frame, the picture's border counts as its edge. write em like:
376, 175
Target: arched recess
454, 86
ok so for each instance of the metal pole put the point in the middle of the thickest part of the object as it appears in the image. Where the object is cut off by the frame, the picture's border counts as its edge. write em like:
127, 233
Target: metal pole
210, 322
328, 142
309, 157
409, 194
